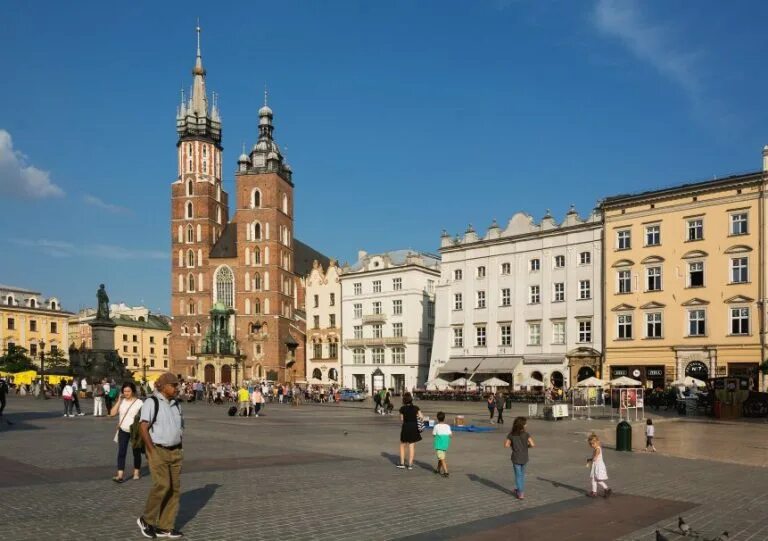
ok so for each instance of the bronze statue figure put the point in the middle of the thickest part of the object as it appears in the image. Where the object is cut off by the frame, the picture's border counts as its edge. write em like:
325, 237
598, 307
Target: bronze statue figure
102, 310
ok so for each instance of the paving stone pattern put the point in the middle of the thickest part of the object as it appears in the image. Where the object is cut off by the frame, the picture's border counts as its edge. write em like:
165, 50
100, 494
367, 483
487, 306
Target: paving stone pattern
293, 474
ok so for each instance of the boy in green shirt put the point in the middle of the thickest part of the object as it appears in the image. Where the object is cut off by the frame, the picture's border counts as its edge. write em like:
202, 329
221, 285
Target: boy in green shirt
442, 440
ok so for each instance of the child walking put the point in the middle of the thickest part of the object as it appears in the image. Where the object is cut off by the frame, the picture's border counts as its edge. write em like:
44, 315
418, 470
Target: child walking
442, 436
649, 433
598, 474
520, 441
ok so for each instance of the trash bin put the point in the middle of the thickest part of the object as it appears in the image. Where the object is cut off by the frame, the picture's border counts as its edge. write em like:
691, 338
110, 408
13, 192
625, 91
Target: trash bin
509, 403
624, 436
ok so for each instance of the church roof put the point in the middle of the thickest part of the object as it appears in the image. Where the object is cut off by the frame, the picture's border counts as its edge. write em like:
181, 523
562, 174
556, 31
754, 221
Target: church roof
304, 256
226, 245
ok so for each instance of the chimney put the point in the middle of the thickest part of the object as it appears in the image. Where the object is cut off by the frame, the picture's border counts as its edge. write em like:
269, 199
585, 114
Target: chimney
361, 254
765, 158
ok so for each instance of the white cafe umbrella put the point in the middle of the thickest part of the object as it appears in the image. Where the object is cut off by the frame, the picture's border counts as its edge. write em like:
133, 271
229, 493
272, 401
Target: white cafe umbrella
437, 383
624, 381
463, 382
591, 382
495, 382
531, 382
689, 381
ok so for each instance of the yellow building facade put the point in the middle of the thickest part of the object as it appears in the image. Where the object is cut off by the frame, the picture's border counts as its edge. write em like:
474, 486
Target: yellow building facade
31, 321
684, 281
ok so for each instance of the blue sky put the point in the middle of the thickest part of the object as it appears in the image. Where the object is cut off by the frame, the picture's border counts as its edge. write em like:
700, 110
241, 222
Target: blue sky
400, 118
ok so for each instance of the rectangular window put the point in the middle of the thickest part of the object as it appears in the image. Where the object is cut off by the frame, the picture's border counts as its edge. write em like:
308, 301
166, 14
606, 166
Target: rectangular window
398, 356
624, 326
378, 330
316, 322
739, 270
480, 336
358, 288
534, 295
481, 299
358, 330
458, 337
33, 325
430, 308
506, 268
739, 223
332, 300
625, 281
652, 235
151, 339
333, 350
135, 349
358, 356
535, 264
135, 338
534, 334
458, 303
317, 351
623, 239
430, 331
585, 289
458, 274
397, 307
125, 349
585, 331
397, 284
506, 297
506, 335
558, 332
559, 292
377, 307
739, 320
585, 258
378, 356
332, 320
697, 323
696, 229
654, 278
11, 324
481, 272
696, 274
316, 299
357, 311
397, 329
377, 286
653, 325
125, 338
559, 261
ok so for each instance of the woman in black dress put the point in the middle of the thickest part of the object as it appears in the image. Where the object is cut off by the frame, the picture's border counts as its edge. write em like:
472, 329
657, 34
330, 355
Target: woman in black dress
409, 433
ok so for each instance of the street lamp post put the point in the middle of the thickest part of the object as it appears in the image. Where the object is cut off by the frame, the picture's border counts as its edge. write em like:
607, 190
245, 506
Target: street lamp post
144, 371
42, 395
466, 381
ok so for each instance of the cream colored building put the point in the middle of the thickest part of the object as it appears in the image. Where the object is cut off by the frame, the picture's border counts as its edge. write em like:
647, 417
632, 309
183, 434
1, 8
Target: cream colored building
684, 286
323, 307
29, 320
141, 338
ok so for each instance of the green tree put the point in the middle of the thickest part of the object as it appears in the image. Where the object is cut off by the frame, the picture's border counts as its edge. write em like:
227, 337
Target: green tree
55, 359
16, 360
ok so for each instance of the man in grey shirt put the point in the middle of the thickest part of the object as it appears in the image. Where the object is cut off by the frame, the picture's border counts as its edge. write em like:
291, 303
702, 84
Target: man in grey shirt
162, 425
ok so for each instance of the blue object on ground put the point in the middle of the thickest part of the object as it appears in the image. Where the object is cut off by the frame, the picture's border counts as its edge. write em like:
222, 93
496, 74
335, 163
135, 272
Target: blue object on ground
470, 428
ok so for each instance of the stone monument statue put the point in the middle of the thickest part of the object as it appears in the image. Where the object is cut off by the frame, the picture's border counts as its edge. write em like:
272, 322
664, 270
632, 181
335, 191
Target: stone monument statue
102, 304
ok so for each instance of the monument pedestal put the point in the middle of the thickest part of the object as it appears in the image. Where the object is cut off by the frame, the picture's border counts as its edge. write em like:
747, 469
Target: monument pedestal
102, 360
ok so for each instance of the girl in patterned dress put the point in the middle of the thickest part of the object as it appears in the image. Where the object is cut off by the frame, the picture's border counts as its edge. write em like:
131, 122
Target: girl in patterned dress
598, 474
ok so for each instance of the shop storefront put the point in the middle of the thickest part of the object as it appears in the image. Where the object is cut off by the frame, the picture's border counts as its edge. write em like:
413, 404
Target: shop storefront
698, 370
745, 370
652, 377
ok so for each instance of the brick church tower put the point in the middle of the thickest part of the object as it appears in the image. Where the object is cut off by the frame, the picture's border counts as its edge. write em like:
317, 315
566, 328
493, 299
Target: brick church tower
235, 292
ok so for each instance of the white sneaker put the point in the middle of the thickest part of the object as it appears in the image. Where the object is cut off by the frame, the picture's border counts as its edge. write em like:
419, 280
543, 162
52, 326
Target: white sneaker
65, 415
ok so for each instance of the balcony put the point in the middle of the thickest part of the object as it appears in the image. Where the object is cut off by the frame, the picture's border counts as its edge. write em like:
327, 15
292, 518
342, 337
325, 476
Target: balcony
374, 318
388, 340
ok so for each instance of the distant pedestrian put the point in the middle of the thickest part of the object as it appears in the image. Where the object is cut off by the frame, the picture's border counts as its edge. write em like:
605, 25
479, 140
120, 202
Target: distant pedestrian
75, 398
3, 394
243, 401
491, 405
650, 432
162, 424
377, 402
98, 399
127, 407
442, 441
257, 398
519, 440
598, 474
107, 394
66, 395
409, 432
500, 408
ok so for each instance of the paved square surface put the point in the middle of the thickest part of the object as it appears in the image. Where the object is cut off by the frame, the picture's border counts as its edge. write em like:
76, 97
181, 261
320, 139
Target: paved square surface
293, 474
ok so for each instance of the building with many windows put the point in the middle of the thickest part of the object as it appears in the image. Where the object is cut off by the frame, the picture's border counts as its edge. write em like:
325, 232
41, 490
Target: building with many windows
685, 280
32, 321
521, 302
141, 338
323, 308
388, 310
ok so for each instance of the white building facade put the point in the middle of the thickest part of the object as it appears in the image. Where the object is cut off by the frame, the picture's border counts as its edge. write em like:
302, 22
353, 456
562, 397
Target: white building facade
388, 314
323, 306
521, 302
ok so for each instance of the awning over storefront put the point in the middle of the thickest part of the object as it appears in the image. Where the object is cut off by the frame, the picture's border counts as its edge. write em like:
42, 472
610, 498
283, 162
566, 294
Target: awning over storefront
498, 365
458, 364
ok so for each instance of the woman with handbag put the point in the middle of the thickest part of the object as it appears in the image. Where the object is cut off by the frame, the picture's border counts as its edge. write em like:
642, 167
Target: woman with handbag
127, 407
410, 433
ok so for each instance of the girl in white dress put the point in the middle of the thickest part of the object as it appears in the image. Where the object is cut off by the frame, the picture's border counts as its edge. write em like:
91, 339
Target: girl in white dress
598, 474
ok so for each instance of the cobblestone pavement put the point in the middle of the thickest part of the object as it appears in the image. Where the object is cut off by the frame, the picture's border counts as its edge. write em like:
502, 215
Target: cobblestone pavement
325, 472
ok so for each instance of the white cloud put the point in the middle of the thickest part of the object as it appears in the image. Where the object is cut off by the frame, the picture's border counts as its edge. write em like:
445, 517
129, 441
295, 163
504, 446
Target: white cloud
19, 179
651, 43
57, 248
109, 207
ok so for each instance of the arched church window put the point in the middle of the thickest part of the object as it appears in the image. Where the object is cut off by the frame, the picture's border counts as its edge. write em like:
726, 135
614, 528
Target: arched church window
191, 308
257, 231
205, 158
190, 258
255, 198
285, 203
190, 188
256, 306
256, 256
218, 192
257, 281
191, 282
197, 328
218, 215
189, 209
225, 286
190, 233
